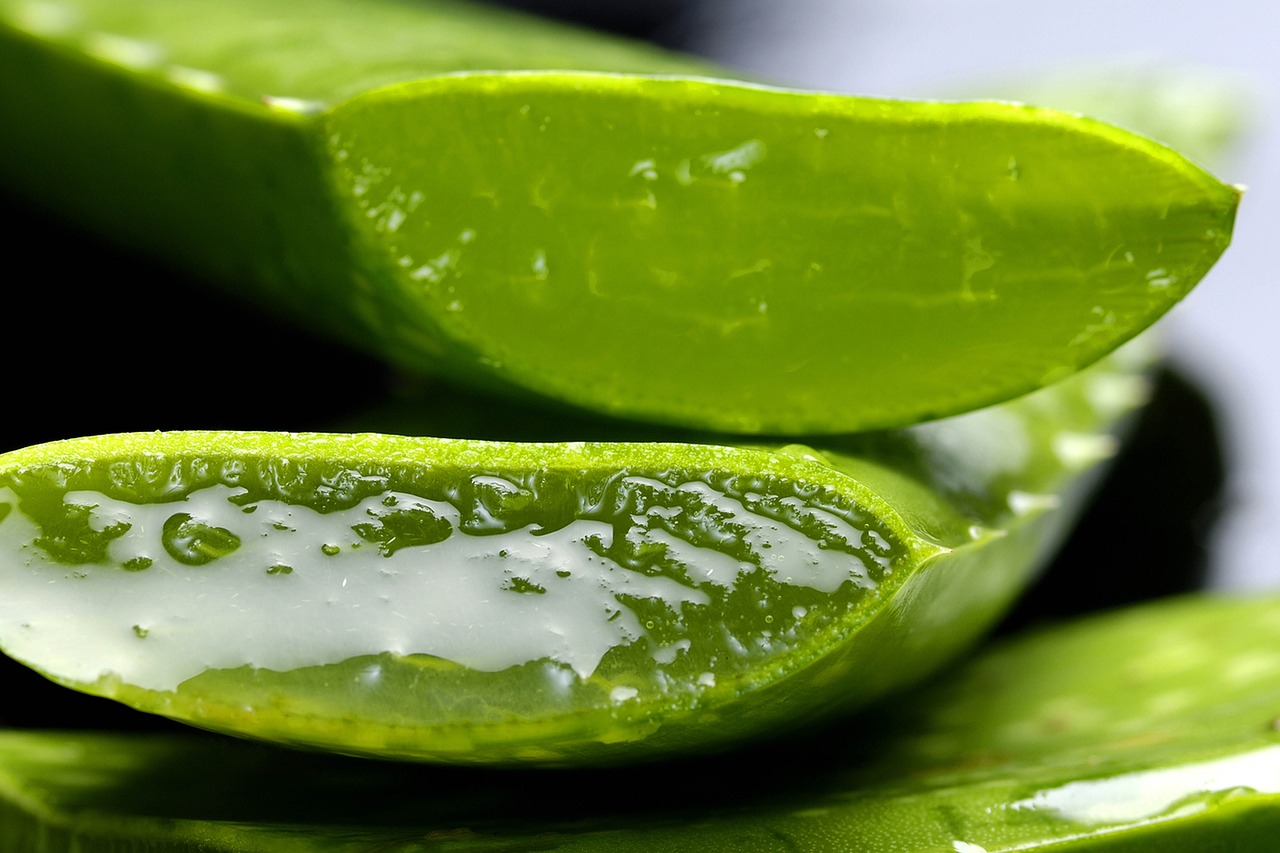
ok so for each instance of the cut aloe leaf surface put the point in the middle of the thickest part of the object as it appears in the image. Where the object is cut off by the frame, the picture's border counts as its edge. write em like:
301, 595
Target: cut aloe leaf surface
1145, 730
558, 603
466, 195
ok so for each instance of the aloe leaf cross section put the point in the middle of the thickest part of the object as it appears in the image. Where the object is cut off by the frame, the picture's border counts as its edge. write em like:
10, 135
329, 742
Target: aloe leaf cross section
552, 603
532, 209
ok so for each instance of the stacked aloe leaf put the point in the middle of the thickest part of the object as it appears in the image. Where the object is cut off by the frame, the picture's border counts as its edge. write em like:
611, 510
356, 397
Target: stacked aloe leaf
777, 400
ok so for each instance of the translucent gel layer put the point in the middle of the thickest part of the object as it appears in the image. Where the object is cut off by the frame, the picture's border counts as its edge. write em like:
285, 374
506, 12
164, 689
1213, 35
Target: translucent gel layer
691, 576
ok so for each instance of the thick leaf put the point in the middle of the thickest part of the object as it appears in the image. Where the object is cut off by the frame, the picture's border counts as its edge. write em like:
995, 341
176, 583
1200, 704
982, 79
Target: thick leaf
558, 603
1145, 730
1202, 111
671, 248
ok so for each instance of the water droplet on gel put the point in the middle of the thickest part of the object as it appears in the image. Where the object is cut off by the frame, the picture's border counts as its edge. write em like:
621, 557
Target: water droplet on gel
193, 542
621, 694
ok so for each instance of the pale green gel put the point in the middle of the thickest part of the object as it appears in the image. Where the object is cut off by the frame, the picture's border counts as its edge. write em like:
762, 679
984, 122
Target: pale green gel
1165, 792
302, 588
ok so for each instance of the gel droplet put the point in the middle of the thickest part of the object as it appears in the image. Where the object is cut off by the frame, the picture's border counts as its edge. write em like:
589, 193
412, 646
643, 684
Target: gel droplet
193, 542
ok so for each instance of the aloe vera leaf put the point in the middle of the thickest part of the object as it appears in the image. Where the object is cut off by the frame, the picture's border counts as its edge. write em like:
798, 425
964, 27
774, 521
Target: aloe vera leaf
1141, 730
1203, 112
642, 243
555, 603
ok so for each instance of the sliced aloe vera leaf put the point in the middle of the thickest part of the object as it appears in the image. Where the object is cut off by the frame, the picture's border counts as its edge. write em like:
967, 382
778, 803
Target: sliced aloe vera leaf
1144, 730
1202, 111
641, 243
561, 603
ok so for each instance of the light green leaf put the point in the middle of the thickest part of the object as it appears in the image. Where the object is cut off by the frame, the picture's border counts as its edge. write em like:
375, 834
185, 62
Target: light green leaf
471, 194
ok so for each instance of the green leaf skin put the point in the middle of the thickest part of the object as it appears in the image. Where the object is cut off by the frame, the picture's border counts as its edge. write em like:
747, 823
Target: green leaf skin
1144, 730
549, 603
1202, 111
473, 195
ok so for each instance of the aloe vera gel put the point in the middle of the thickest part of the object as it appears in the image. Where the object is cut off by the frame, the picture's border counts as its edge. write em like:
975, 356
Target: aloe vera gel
510, 591
467, 580
588, 586
559, 603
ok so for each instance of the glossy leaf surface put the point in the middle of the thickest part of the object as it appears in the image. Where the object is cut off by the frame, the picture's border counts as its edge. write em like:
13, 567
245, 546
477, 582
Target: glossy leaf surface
1144, 730
499, 602
464, 194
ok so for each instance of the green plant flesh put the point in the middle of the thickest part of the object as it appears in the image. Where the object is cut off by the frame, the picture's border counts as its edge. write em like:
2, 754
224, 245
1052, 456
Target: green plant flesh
477, 601
472, 194
1165, 741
